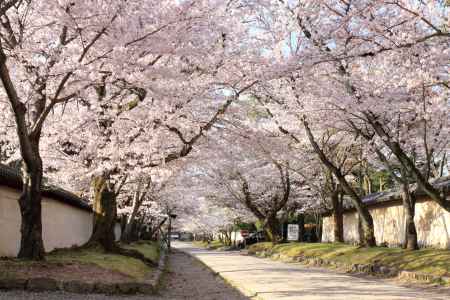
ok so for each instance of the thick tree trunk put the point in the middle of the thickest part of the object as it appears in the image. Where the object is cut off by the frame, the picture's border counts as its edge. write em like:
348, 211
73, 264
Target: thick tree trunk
368, 233
31, 243
105, 212
228, 235
135, 233
409, 204
137, 229
272, 229
338, 221
301, 227
131, 221
126, 234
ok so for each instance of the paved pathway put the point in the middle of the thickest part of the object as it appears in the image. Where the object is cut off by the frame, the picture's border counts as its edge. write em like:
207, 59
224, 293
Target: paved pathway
187, 279
271, 280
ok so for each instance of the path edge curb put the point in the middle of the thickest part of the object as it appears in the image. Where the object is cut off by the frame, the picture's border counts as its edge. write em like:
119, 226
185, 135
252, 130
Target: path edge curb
148, 286
237, 286
368, 269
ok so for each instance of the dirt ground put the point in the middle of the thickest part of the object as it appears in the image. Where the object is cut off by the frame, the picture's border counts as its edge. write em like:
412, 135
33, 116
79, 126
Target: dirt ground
186, 278
62, 271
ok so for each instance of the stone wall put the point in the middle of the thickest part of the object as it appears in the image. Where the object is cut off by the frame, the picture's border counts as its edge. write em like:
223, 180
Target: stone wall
63, 225
432, 223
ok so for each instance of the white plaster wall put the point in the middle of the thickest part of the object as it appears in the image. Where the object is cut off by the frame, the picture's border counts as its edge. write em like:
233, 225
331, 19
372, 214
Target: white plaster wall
432, 224
327, 230
350, 223
62, 225
9, 222
389, 224
234, 235
351, 231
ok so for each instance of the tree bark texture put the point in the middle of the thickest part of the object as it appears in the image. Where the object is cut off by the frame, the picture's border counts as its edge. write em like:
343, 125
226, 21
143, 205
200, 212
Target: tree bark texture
409, 204
338, 219
368, 235
127, 235
301, 227
105, 212
31, 242
272, 227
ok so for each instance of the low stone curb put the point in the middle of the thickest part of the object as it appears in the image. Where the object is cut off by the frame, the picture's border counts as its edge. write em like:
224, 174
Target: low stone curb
43, 284
162, 263
234, 284
424, 277
370, 269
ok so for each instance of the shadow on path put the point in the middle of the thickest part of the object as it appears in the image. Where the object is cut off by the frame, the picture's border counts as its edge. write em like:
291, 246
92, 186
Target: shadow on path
186, 278
274, 280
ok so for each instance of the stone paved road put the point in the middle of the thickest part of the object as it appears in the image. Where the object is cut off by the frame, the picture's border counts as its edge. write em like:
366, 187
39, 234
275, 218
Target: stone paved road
271, 280
187, 279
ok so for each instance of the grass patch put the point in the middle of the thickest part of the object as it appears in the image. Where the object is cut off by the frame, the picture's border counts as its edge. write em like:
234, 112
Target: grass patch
132, 267
428, 261
148, 249
213, 245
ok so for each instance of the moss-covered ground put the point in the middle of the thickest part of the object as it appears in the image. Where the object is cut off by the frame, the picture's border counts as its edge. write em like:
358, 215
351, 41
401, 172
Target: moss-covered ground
427, 261
90, 260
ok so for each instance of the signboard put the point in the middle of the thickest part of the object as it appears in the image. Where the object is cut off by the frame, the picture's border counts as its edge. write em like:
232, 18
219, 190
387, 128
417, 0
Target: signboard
244, 233
292, 232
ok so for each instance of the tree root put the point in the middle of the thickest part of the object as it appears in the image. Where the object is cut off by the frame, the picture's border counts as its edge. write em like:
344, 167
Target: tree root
116, 249
137, 255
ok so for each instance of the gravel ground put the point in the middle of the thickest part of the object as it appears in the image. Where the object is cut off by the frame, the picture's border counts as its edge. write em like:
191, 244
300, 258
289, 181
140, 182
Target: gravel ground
187, 279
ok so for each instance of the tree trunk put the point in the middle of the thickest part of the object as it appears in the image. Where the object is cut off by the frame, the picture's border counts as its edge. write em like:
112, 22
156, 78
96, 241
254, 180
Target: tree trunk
105, 212
128, 232
409, 204
123, 223
437, 195
228, 234
169, 232
301, 227
337, 217
154, 230
272, 229
136, 230
31, 243
368, 237
131, 220
368, 233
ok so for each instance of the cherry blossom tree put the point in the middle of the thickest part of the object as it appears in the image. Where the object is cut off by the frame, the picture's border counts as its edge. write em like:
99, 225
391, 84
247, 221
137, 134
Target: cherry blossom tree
121, 95
334, 68
97, 65
402, 126
43, 46
252, 174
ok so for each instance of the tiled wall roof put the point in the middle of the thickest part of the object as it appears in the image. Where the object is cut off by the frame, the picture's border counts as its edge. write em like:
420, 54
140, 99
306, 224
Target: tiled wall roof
11, 178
